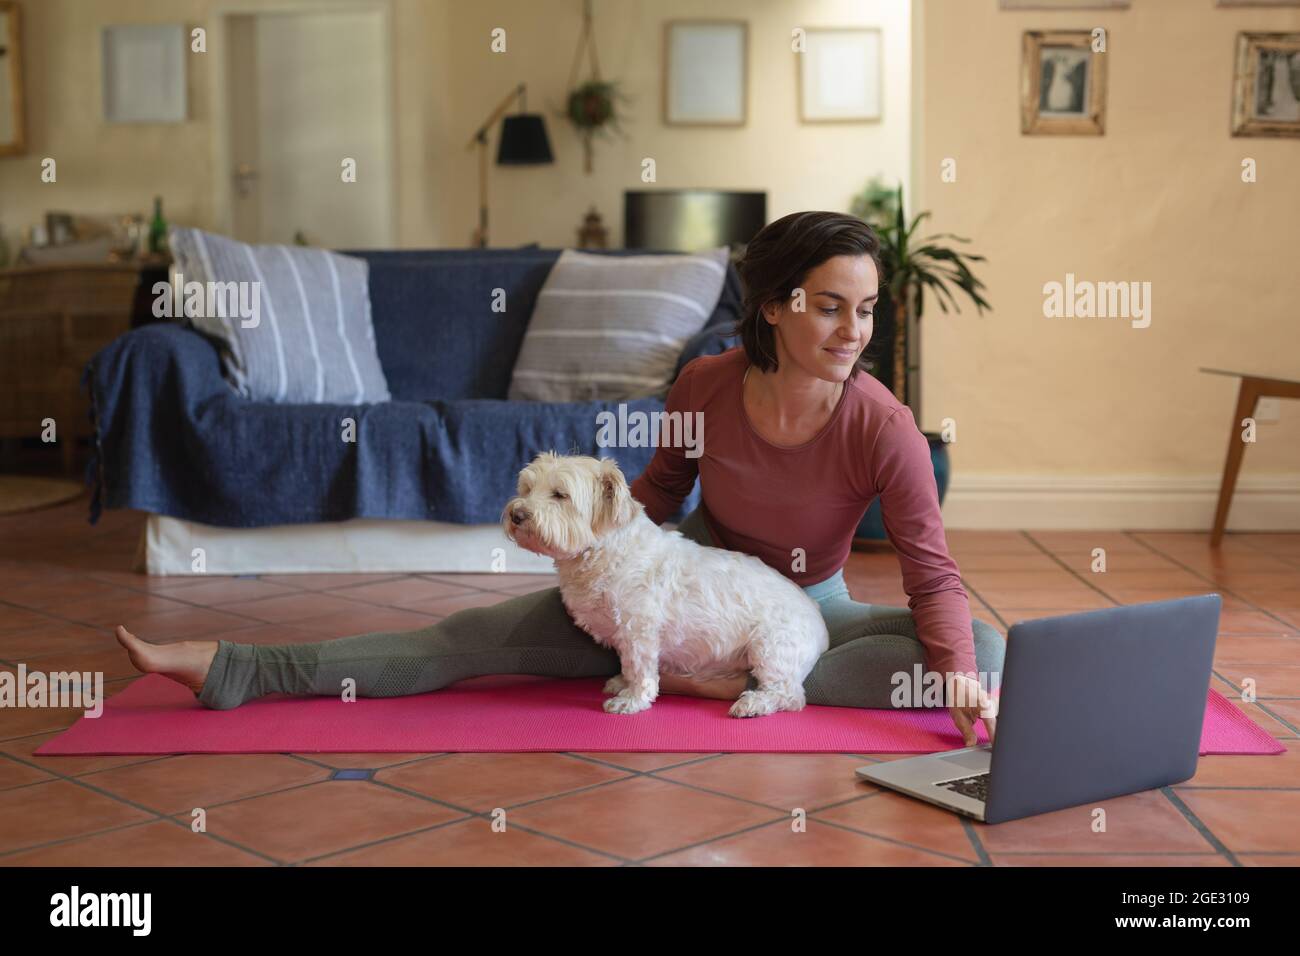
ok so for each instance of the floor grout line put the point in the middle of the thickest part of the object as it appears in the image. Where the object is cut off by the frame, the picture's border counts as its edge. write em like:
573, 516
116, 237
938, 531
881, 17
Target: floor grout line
1195, 821
487, 816
1260, 701
972, 834
1214, 585
119, 799
450, 823
1055, 557
252, 621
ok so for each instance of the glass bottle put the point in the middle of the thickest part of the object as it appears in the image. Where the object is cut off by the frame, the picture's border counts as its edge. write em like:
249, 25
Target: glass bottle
157, 229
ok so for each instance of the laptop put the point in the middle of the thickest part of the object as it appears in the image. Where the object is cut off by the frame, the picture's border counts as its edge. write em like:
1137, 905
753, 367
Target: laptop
1093, 706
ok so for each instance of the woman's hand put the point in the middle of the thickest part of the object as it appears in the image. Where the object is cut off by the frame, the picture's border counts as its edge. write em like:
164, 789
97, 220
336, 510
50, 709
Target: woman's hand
970, 702
727, 688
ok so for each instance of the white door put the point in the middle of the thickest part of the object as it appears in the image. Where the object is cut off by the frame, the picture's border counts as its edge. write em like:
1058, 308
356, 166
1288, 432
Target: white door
305, 93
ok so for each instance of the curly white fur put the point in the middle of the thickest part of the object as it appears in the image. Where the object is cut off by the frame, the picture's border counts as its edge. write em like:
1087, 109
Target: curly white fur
662, 601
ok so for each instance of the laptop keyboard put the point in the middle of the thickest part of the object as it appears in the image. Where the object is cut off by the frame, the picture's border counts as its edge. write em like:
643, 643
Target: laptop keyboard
975, 786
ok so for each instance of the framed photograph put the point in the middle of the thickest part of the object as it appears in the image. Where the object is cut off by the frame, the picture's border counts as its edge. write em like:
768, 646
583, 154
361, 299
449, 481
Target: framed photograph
1063, 4
839, 75
13, 122
144, 73
705, 64
1266, 88
1062, 84
60, 228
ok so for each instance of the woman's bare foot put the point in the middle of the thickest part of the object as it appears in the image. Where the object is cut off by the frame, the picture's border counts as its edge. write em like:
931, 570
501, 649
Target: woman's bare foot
185, 662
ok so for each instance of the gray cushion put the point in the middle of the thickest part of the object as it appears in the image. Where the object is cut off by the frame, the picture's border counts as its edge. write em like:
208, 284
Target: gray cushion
610, 328
313, 341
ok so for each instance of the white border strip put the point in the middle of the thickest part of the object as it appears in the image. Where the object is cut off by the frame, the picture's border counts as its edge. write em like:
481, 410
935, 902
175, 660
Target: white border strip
345, 547
1110, 502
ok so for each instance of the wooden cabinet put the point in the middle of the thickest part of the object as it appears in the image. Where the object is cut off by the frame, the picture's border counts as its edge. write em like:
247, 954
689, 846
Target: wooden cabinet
53, 318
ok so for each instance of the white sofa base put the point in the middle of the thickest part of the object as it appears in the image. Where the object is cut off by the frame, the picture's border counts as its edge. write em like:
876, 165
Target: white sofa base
169, 545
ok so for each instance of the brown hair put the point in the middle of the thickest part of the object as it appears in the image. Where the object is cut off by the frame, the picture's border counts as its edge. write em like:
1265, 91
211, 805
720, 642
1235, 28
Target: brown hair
778, 260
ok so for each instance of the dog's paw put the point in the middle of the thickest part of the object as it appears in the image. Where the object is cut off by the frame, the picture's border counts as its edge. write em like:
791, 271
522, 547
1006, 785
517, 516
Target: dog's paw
626, 704
755, 703
615, 684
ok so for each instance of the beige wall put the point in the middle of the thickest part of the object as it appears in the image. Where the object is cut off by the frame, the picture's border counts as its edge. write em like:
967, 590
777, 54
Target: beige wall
1158, 198
801, 166
108, 168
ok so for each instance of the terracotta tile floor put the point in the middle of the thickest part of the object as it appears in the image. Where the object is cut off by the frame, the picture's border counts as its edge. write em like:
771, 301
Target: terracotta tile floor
63, 584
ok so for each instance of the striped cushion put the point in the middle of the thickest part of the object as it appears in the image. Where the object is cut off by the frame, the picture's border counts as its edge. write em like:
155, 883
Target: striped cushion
313, 341
609, 328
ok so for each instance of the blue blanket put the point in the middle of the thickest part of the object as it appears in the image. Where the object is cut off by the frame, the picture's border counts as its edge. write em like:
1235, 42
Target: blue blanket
173, 438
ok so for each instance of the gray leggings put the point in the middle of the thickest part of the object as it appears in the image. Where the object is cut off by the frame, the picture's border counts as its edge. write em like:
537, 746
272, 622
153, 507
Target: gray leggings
533, 634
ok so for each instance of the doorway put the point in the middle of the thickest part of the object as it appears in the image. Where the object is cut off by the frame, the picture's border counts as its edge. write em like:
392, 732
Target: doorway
304, 124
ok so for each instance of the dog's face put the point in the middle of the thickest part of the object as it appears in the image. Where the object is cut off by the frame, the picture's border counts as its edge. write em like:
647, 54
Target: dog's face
565, 504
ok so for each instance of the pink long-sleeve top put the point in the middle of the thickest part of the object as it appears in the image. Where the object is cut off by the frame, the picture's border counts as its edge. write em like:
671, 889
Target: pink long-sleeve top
767, 500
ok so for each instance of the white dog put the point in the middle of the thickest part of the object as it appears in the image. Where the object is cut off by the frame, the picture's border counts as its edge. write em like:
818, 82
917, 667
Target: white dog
658, 598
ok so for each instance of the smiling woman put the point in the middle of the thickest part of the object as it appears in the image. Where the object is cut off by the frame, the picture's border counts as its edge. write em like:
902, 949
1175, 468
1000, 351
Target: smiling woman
820, 262
812, 280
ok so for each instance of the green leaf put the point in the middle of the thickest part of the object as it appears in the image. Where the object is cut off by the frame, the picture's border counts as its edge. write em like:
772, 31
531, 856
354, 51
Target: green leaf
918, 268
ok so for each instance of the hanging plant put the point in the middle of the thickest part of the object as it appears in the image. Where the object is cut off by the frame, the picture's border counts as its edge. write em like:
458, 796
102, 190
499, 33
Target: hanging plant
593, 104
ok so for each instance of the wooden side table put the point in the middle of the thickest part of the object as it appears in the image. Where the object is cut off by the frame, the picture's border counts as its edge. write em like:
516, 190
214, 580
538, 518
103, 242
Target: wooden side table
53, 319
1253, 388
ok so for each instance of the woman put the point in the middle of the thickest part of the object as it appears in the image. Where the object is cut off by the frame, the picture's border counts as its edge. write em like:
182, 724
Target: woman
798, 441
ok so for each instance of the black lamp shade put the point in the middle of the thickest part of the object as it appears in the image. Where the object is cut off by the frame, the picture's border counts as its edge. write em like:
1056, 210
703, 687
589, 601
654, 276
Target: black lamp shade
524, 141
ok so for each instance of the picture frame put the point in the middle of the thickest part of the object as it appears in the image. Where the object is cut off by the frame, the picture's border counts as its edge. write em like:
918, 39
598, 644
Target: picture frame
1062, 84
1063, 4
144, 73
705, 71
60, 228
1266, 85
13, 119
840, 75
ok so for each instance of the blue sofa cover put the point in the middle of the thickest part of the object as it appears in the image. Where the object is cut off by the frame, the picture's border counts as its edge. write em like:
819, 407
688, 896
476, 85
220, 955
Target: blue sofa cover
173, 438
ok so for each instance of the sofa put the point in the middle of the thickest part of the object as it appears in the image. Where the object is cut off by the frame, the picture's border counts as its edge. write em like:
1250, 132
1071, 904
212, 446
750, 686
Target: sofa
174, 439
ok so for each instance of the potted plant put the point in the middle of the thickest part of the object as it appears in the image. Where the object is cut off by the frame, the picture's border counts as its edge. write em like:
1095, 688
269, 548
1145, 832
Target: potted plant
912, 267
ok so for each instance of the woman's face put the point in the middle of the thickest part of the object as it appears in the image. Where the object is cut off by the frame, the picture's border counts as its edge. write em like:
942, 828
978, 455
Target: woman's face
826, 337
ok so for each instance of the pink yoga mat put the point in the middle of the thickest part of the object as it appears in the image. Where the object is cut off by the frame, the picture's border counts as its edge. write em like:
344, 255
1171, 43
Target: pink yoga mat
515, 714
